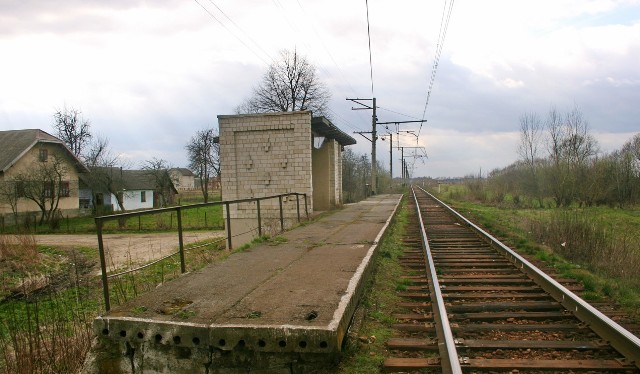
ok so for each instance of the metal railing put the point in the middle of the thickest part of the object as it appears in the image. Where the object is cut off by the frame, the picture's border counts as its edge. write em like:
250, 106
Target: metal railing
181, 251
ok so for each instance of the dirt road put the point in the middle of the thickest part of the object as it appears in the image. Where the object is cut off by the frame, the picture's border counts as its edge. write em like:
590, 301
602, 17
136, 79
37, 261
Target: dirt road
122, 250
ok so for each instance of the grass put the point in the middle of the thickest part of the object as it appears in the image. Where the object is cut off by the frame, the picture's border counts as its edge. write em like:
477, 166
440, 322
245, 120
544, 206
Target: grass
598, 246
192, 219
45, 327
365, 348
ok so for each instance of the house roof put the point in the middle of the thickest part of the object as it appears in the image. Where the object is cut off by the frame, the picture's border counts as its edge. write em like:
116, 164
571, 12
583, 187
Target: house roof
324, 127
183, 171
128, 179
16, 143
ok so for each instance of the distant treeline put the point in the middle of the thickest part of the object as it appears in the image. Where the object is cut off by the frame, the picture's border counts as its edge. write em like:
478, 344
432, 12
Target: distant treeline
561, 165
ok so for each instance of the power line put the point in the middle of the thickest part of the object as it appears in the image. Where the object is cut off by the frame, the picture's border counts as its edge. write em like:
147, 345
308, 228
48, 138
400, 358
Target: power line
444, 25
239, 28
295, 27
369, 37
232, 33
393, 111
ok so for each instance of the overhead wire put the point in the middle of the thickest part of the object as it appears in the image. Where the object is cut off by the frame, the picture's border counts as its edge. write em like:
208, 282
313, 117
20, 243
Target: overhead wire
369, 37
297, 30
240, 28
444, 25
269, 59
232, 33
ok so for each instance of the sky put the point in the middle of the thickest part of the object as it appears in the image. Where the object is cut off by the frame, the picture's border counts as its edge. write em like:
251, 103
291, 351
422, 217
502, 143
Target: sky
149, 74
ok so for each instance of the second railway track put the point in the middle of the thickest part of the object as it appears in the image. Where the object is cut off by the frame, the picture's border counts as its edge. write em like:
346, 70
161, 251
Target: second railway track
472, 305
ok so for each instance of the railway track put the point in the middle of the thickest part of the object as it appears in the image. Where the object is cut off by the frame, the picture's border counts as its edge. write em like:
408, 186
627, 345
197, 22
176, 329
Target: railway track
473, 305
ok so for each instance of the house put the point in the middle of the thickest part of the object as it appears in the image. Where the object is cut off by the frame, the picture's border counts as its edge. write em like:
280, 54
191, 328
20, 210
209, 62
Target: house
37, 168
112, 189
183, 178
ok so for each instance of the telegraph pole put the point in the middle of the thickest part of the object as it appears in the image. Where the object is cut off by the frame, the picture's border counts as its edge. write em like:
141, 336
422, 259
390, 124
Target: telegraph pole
374, 137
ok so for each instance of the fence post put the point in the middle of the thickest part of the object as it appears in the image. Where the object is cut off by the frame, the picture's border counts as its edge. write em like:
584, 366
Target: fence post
103, 266
298, 206
306, 207
228, 226
281, 214
259, 219
180, 241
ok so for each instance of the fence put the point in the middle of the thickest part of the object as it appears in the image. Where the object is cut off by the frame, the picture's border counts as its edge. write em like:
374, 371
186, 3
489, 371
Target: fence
178, 212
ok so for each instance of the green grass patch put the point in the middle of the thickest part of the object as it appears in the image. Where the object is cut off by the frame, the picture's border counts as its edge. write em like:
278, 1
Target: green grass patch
365, 349
598, 246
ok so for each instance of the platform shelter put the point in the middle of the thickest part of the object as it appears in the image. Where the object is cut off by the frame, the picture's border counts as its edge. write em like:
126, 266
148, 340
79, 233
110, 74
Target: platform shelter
277, 153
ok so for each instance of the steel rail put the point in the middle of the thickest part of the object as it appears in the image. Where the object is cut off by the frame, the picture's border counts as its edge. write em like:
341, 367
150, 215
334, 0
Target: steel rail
621, 339
446, 343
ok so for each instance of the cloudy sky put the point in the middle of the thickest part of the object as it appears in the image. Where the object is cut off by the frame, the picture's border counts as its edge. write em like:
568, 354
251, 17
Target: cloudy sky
149, 74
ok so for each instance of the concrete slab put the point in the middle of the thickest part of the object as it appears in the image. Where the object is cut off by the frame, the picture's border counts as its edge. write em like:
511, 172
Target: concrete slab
283, 303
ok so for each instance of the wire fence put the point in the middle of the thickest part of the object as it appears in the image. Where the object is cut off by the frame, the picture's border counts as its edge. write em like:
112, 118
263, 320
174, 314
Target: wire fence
180, 212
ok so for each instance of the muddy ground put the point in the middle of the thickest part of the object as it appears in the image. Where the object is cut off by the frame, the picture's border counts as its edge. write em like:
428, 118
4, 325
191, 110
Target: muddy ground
123, 250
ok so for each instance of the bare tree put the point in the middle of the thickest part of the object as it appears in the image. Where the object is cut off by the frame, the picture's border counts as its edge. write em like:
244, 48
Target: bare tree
9, 196
290, 84
578, 144
158, 170
556, 135
633, 148
72, 129
203, 152
44, 184
530, 137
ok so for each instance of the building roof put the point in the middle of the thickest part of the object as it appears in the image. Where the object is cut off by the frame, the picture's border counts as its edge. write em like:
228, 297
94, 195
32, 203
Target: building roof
183, 171
320, 125
16, 143
324, 127
127, 179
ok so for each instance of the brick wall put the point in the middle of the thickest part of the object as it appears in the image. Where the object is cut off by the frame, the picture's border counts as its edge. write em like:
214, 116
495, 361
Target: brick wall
263, 155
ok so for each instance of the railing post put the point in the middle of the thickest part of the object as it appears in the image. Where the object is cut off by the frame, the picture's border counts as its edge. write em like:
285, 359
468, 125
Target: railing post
103, 266
281, 213
228, 226
306, 206
183, 267
298, 206
259, 219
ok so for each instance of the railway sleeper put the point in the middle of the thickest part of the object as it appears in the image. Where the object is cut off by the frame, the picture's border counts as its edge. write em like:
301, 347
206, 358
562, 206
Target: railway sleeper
504, 306
492, 316
413, 344
541, 364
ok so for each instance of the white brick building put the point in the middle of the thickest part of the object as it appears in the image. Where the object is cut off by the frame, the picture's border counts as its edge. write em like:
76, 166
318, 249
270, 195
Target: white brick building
276, 153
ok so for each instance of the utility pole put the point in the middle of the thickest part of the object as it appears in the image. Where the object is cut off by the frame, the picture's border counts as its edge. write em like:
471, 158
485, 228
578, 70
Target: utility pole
397, 123
374, 137
405, 171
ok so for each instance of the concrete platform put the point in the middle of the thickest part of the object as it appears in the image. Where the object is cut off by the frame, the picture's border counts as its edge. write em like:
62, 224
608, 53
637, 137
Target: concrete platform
278, 306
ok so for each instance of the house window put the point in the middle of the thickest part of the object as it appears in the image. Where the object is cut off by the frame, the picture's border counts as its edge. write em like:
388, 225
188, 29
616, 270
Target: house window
64, 189
43, 155
85, 204
47, 189
20, 190
143, 196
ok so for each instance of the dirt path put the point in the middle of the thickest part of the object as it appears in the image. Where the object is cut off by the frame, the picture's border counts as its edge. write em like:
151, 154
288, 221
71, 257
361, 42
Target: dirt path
124, 249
